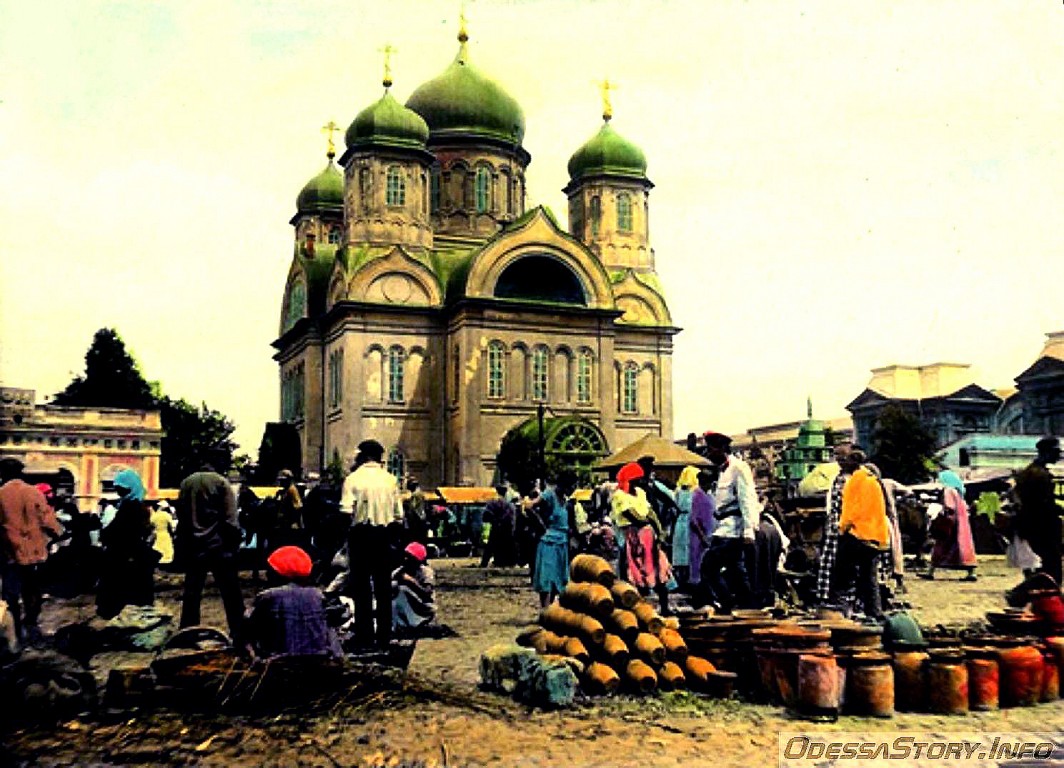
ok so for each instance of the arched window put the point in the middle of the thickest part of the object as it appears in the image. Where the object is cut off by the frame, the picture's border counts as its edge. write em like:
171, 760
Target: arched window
540, 381
584, 364
496, 366
396, 358
456, 364
396, 186
630, 388
483, 190
334, 236
434, 191
336, 378
396, 464
596, 214
624, 212
365, 186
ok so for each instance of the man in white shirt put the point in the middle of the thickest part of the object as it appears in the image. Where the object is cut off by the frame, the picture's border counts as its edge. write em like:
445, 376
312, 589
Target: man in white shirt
738, 516
371, 496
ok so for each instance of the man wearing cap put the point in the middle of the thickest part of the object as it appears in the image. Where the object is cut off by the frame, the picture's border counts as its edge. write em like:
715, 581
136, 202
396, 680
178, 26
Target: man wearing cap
738, 515
290, 619
1038, 520
25, 518
371, 496
413, 588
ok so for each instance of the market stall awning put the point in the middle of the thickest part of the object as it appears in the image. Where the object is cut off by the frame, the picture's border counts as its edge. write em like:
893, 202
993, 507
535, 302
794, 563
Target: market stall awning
467, 495
819, 479
665, 452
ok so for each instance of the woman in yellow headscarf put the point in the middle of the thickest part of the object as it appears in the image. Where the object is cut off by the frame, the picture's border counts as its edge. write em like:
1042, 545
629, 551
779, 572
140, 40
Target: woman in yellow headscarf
644, 563
681, 531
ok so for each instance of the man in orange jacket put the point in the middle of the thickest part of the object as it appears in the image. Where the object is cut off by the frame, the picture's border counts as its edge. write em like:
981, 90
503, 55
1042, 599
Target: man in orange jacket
864, 534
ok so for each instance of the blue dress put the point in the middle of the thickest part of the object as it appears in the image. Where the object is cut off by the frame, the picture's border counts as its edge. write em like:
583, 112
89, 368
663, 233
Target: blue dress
681, 532
551, 571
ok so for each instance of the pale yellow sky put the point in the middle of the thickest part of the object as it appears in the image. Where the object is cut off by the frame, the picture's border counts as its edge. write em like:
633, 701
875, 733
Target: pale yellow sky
839, 185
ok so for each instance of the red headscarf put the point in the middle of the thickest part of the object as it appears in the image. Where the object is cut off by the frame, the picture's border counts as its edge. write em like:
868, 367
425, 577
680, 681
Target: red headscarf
417, 551
290, 563
628, 473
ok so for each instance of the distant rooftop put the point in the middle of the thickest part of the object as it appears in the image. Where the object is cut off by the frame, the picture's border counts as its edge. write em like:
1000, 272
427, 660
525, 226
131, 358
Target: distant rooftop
920, 382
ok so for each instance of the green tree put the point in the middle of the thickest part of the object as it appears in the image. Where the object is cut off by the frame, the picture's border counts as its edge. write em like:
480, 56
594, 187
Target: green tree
279, 449
112, 378
901, 447
334, 471
192, 436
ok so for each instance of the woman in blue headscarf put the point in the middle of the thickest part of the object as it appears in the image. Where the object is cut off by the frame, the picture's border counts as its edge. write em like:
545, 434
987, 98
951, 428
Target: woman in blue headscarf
128, 576
952, 531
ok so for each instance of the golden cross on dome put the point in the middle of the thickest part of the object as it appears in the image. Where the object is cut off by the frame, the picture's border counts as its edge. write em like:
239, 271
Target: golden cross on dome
463, 34
388, 50
328, 129
607, 108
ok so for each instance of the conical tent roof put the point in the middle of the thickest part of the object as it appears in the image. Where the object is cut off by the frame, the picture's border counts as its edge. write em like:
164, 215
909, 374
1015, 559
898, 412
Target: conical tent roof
665, 452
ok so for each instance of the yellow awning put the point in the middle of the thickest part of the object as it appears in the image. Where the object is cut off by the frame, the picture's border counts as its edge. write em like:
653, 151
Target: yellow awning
467, 495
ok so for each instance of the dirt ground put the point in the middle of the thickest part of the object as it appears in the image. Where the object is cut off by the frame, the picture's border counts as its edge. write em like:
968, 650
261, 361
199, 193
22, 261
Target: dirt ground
441, 718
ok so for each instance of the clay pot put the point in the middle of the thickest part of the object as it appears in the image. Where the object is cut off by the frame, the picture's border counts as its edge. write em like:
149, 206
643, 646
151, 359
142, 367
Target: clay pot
575, 649
640, 677
624, 623
592, 568
720, 684
1021, 670
947, 683
983, 679
649, 648
675, 647
1055, 646
625, 595
910, 681
818, 687
697, 671
870, 685
615, 652
601, 679
671, 677
766, 668
589, 598
649, 620
786, 668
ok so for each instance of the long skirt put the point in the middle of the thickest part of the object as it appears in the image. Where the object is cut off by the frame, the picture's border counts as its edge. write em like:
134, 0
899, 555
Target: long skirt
551, 571
409, 610
681, 540
648, 567
957, 550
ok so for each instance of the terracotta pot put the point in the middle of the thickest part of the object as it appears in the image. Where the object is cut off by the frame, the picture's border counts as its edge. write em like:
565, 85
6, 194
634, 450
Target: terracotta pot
697, 671
601, 679
720, 684
575, 649
818, 687
640, 677
947, 683
675, 647
588, 598
766, 668
910, 681
671, 677
591, 568
1055, 645
615, 652
984, 681
870, 685
625, 595
649, 648
1021, 670
649, 621
624, 623
786, 669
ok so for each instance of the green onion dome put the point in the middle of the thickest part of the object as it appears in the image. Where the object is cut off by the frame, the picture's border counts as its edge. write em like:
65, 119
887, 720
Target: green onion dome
464, 101
607, 152
325, 192
387, 122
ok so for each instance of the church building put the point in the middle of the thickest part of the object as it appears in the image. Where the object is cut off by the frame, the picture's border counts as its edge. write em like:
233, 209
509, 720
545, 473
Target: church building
429, 307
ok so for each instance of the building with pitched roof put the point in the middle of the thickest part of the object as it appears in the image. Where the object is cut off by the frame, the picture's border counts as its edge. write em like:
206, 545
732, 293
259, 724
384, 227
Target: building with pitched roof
428, 307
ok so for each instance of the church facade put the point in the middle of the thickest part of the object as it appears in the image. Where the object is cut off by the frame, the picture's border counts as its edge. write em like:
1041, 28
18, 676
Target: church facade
430, 308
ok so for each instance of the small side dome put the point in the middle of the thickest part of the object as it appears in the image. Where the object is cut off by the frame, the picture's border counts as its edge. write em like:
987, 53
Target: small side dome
325, 192
388, 123
608, 153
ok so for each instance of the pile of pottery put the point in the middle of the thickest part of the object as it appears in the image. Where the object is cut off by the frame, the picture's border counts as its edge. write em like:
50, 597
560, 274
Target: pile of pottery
615, 639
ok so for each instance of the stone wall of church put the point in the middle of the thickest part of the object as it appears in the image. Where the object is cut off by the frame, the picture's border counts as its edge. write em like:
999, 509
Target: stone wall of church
594, 220
461, 205
386, 200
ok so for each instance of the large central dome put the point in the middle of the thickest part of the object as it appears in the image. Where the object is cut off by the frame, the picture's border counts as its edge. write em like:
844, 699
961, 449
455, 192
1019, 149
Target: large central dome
462, 101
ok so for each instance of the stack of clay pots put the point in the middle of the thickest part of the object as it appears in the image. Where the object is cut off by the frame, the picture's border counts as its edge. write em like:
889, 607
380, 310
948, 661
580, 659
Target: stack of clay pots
617, 640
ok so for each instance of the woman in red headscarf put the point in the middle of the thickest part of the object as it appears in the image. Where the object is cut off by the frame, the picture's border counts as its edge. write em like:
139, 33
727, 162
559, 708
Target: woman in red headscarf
643, 562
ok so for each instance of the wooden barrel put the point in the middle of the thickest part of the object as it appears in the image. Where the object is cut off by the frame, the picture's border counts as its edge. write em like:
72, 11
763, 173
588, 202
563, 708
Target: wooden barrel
983, 681
870, 685
649, 648
671, 677
910, 681
947, 684
1021, 670
591, 568
640, 677
818, 687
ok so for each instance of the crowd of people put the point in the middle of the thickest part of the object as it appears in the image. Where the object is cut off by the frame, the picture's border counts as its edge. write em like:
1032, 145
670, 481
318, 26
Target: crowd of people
347, 566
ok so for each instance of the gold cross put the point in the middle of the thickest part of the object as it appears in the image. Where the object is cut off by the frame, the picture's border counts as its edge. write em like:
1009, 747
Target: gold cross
463, 34
388, 50
329, 128
607, 109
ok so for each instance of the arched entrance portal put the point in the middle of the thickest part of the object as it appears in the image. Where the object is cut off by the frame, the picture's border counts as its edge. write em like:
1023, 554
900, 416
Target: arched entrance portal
567, 442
